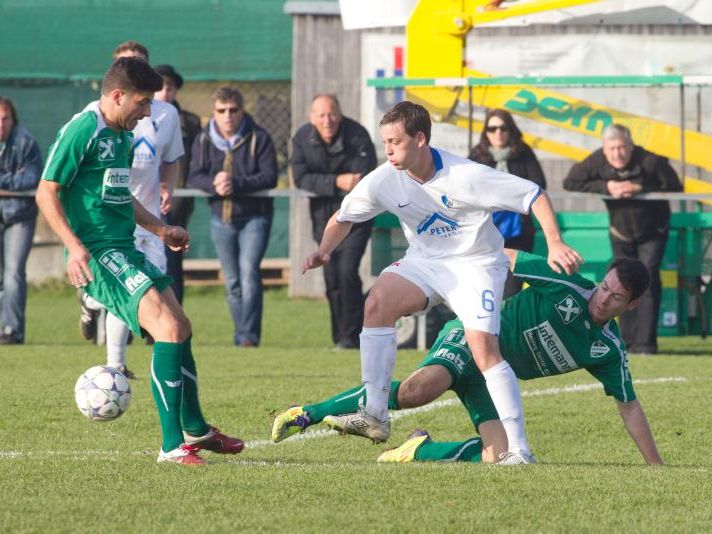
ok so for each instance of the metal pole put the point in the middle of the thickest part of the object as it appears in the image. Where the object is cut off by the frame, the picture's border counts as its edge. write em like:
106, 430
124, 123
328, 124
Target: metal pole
682, 132
470, 110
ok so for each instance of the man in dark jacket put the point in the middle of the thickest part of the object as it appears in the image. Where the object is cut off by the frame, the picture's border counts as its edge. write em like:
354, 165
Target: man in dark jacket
230, 157
181, 207
329, 156
639, 228
20, 169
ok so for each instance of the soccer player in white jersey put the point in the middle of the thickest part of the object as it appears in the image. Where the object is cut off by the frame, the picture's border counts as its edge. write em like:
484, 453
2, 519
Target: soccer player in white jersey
455, 252
158, 147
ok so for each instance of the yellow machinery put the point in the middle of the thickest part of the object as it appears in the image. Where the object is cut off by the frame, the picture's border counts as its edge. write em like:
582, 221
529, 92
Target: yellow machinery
435, 38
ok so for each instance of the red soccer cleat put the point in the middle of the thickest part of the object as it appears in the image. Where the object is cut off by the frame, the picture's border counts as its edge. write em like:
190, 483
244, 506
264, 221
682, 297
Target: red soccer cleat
184, 455
215, 441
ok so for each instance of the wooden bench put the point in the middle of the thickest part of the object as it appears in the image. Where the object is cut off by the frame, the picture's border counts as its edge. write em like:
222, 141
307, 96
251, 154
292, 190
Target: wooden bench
208, 272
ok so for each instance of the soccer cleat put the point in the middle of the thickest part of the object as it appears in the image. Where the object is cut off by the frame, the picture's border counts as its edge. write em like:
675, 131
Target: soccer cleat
215, 441
406, 452
184, 454
360, 424
87, 319
128, 373
516, 458
288, 423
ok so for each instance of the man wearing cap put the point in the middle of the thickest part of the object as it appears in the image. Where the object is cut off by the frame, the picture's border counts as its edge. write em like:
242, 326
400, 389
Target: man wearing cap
181, 207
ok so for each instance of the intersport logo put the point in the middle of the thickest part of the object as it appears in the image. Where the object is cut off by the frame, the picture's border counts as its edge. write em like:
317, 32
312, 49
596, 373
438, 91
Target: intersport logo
547, 348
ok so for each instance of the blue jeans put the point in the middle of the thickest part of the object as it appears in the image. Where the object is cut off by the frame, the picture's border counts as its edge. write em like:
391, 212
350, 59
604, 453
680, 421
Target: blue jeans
15, 245
241, 246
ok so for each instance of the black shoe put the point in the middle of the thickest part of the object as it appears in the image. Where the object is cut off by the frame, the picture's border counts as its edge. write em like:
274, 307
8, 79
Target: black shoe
87, 319
9, 339
128, 373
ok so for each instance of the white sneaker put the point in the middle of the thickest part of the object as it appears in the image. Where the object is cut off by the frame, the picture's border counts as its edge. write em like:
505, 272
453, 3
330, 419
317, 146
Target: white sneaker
184, 454
516, 458
360, 424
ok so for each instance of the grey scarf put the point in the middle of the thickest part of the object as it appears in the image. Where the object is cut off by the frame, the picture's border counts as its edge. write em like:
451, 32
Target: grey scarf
500, 156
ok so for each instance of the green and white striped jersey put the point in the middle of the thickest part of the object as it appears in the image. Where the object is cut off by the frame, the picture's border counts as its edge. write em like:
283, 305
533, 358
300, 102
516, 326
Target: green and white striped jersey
92, 162
547, 330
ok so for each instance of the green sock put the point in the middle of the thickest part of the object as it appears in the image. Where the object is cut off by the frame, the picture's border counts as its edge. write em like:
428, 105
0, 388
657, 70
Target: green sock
450, 451
167, 389
348, 401
190, 413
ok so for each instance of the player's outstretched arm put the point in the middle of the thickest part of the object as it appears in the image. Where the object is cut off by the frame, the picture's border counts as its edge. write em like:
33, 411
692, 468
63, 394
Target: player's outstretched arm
334, 234
175, 237
561, 256
637, 425
47, 197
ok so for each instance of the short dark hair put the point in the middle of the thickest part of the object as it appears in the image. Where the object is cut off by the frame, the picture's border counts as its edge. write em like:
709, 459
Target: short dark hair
167, 71
634, 276
7, 103
132, 75
133, 46
229, 94
414, 118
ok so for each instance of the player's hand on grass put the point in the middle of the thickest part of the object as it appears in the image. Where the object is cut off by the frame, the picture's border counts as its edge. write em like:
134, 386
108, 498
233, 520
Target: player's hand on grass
176, 238
314, 260
78, 271
563, 258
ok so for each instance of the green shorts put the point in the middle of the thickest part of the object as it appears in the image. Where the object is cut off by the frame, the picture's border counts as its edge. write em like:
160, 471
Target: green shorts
121, 278
451, 351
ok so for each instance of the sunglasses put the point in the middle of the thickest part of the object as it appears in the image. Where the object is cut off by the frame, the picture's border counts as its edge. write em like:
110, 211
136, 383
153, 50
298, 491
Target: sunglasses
492, 129
228, 110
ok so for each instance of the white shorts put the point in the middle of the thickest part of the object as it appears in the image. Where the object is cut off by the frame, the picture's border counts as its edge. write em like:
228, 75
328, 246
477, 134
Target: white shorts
153, 248
474, 292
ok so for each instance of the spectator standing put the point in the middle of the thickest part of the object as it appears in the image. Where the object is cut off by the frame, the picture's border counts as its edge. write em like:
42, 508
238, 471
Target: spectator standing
181, 207
20, 170
501, 147
231, 157
330, 155
639, 228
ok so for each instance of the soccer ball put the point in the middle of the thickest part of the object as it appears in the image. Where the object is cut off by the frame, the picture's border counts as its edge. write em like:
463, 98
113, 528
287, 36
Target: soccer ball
102, 393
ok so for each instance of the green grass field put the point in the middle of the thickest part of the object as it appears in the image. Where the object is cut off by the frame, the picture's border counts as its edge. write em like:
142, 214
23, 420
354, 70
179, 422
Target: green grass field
62, 472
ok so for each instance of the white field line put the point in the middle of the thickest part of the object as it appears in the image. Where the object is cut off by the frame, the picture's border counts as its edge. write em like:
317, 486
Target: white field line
317, 434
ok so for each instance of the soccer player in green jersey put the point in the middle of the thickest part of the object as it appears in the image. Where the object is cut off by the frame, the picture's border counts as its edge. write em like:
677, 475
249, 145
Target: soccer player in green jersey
84, 195
558, 324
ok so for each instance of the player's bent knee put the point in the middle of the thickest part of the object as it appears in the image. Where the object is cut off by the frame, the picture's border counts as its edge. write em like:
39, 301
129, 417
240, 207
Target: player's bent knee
485, 349
375, 308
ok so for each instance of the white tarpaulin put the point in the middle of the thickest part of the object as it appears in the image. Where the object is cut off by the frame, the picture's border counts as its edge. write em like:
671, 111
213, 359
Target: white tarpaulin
589, 54
617, 12
603, 54
358, 14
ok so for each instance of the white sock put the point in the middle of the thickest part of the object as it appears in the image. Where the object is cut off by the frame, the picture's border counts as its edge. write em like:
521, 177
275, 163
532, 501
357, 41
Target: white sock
504, 390
117, 337
378, 356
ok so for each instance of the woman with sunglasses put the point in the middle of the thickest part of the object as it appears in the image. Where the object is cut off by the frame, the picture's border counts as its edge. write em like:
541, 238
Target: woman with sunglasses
501, 146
